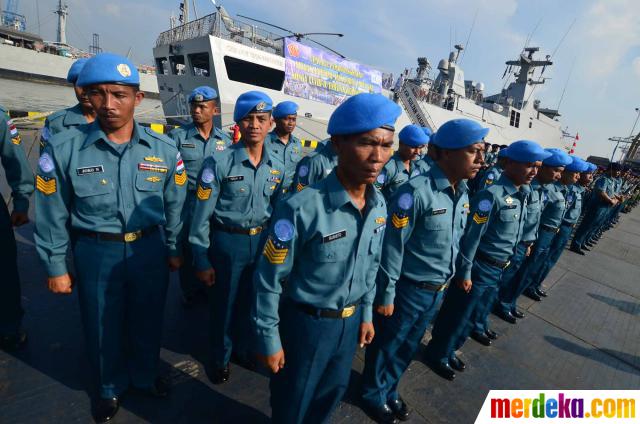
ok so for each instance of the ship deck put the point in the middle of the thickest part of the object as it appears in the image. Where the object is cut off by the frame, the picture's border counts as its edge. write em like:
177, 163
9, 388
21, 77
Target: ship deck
585, 335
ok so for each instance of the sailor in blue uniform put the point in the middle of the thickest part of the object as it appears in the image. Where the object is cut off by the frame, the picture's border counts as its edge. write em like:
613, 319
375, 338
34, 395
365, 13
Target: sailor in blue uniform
283, 145
489, 175
20, 179
427, 217
401, 166
112, 192
315, 167
80, 114
325, 242
603, 198
236, 192
492, 232
196, 141
573, 197
553, 209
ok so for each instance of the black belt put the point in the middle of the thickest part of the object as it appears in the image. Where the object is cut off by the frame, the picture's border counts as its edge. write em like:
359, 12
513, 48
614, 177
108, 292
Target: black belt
549, 228
237, 230
489, 260
427, 286
328, 313
119, 237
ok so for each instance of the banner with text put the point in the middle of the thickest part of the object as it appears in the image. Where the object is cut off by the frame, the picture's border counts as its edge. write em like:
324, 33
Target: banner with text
318, 75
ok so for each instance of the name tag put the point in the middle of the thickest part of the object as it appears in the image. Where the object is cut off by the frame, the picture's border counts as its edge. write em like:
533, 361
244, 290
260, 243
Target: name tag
379, 229
233, 178
89, 170
188, 145
334, 236
439, 211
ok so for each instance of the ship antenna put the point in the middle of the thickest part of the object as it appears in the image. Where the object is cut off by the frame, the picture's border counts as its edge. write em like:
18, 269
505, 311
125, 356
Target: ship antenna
563, 37
530, 36
466, 44
566, 83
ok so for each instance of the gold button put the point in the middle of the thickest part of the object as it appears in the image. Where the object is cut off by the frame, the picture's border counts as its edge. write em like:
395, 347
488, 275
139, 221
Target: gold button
103, 182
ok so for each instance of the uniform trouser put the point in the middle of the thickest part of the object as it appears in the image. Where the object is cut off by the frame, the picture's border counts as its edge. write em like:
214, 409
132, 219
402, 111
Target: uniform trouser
397, 340
529, 275
588, 222
318, 357
122, 289
453, 323
598, 224
555, 251
188, 281
233, 257
509, 283
10, 308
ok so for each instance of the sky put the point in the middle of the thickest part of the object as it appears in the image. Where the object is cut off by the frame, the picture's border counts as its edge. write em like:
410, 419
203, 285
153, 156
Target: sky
595, 44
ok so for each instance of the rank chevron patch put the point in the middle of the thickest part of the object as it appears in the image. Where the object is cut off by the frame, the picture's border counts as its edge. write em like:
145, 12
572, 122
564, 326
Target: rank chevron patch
398, 221
275, 252
480, 219
180, 178
46, 185
203, 193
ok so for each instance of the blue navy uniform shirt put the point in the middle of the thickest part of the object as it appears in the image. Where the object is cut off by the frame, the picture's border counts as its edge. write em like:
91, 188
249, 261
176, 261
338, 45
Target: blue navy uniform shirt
394, 174
326, 249
288, 155
426, 221
61, 120
194, 148
234, 193
554, 204
495, 225
534, 210
574, 204
314, 168
86, 181
14, 160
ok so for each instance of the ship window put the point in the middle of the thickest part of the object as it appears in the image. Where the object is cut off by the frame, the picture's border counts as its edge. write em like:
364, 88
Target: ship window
199, 64
514, 120
177, 65
162, 66
254, 74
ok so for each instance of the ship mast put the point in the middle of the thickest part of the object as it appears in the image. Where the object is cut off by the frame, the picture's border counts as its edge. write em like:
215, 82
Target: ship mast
62, 12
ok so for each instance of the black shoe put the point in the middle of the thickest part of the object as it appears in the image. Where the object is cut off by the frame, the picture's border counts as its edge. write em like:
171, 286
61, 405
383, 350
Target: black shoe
541, 293
585, 248
507, 316
590, 243
106, 409
576, 249
400, 409
160, 388
517, 314
443, 370
243, 361
532, 295
457, 364
220, 375
13, 342
491, 334
382, 414
481, 338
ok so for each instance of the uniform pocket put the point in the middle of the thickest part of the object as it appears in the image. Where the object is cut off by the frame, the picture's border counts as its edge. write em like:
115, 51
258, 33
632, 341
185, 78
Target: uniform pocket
147, 182
330, 252
95, 195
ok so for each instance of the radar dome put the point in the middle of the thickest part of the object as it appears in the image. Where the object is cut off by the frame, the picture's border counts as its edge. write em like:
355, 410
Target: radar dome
480, 86
443, 64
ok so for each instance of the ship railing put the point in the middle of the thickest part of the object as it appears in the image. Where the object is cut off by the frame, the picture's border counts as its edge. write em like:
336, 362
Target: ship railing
226, 27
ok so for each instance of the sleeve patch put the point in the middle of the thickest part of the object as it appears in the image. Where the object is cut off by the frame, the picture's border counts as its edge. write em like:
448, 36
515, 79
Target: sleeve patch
275, 251
16, 140
303, 171
405, 201
203, 193
180, 178
300, 187
46, 163
399, 221
480, 219
46, 185
283, 229
207, 175
484, 205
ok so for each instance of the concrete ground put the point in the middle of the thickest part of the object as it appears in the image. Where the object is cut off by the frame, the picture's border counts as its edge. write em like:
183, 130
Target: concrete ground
585, 335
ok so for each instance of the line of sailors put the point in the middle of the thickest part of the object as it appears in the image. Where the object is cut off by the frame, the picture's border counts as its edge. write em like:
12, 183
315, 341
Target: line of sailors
301, 259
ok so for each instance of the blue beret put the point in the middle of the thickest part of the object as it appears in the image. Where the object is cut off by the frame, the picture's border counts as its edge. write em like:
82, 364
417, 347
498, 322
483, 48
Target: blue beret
459, 133
427, 131
526, 151
363, 112
502, 153
577, 165
203, 94
592, 167
251, 101
286, 108
413, 135
75, 70
108, 68
558, 158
